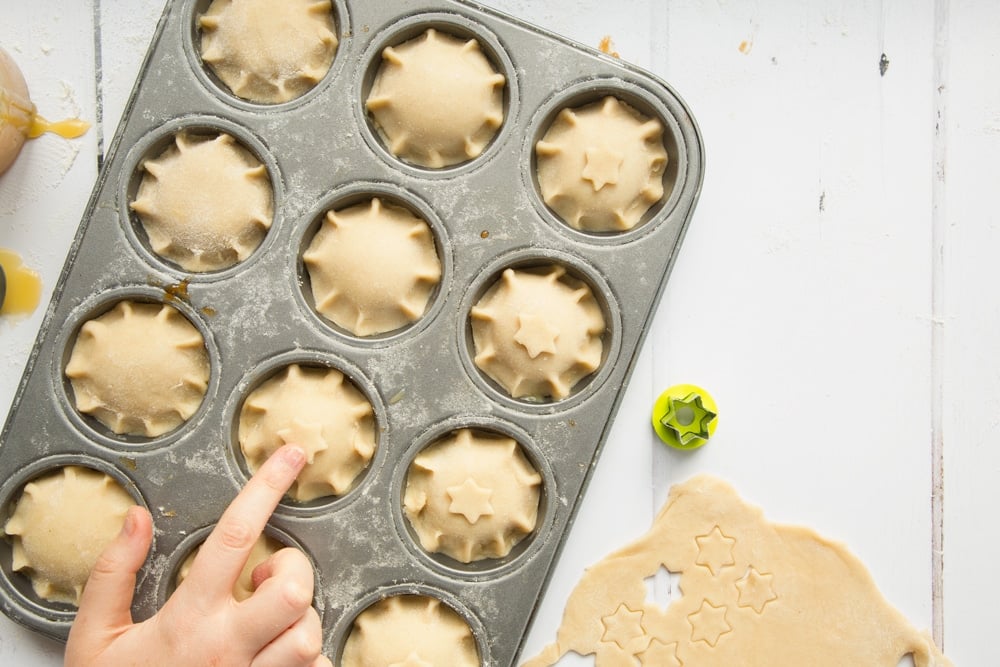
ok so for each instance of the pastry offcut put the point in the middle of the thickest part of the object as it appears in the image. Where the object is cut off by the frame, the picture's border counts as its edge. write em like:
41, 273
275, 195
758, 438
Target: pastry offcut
600, 166
205, 202
60, 524
269, 51
751, 593
140, 369
373, 267
472, 496
265, 547
410, 631
321, 411
437, 100
538, 332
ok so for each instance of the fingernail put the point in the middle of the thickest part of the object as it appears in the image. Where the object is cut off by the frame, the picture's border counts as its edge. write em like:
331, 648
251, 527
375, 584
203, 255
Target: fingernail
129, 526
294, 456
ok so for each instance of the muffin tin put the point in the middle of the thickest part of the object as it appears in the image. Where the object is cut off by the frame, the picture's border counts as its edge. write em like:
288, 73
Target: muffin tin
321, 151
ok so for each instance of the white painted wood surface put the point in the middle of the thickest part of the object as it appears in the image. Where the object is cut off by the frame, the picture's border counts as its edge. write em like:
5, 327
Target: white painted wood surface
836, 291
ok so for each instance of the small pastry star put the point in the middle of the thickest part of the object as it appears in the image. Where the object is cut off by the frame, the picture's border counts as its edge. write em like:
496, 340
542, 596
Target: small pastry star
536, 335
709, 623
756, 590
307, 435
688, 418
603, 167
660, 655
412, 660
622, 627
470, 500
715, 550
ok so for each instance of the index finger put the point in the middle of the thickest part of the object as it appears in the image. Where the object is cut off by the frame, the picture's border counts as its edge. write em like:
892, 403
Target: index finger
225, 552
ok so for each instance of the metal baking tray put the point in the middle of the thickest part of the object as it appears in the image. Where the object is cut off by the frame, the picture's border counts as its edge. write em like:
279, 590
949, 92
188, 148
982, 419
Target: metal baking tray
487, 215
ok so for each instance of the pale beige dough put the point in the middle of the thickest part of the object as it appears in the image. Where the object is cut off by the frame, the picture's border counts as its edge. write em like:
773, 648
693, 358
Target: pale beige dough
140, 369
600, 166
538, 332
205, 202
269, 51
754, 594
373, 267
262, 549
410, 631
472, 496
321, 411
60, 524
437, 100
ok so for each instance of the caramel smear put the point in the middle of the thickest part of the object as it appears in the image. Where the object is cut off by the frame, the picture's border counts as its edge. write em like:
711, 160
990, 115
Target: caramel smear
24, 286
23, 115
607, 46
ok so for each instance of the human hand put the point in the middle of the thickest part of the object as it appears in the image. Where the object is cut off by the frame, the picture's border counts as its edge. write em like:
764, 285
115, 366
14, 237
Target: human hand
201, 623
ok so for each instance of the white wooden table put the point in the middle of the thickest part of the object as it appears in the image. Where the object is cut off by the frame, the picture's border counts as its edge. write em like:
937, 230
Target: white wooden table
838, 291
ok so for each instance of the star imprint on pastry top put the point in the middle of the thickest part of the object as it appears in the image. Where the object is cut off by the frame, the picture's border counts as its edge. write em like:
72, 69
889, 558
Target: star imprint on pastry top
715, 550
412, 660
660, 654
622, 627
709, 623
756, 590
470, 500
536, 335
603, 166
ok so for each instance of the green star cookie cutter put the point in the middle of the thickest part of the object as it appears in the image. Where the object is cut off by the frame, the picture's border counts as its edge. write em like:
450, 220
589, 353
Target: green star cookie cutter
685, 416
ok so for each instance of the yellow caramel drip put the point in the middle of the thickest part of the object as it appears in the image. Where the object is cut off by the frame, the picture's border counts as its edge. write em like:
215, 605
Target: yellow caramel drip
23, 115
24, 286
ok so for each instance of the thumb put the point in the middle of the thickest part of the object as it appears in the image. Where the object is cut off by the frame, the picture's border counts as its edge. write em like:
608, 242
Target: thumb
106, 602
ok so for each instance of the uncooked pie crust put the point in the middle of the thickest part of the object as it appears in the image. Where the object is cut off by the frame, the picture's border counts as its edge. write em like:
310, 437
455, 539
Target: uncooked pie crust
265, 547
205, 202
269, 51
751, 593
61, 523
319, 410
410, 631
373, 267
472, 496
538, 332
437, 100
600, 166
140, 369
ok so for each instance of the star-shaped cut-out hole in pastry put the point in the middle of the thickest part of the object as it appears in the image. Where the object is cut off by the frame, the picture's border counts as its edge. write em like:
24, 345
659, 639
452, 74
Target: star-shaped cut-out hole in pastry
622, 627
709, 623
756, 590
688, 418
660, 654
715, 550
307, 435
412, 660
470, 500
536, 335
603, 166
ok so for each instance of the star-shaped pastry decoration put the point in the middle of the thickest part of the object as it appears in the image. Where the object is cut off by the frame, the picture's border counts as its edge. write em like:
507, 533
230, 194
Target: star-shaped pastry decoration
756, 590
536, 335
603, 166
307, 435
709, 623
660, 654
622, 627
715, 550
688, 418
470, 500
412, 660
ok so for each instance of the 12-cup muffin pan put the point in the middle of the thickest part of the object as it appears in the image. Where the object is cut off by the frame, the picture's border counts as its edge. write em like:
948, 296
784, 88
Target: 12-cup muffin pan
322, 151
